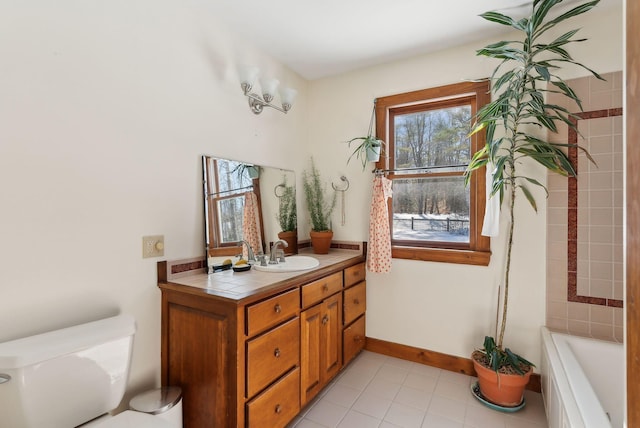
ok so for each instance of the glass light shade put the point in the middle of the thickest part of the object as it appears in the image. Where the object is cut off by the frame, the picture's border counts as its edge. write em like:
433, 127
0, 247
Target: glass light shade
269, 87
248, 74
287, 95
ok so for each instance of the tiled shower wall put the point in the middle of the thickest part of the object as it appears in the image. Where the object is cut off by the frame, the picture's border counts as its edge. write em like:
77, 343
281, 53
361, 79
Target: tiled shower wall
584, 218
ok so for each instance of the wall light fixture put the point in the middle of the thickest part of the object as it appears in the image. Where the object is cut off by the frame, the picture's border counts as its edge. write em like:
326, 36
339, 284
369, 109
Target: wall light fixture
248, 75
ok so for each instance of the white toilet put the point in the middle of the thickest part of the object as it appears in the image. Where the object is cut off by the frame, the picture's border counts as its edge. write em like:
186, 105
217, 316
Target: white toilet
66, 378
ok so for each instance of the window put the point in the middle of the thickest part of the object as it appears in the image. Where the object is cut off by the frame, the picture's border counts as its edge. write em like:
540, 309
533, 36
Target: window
433, 215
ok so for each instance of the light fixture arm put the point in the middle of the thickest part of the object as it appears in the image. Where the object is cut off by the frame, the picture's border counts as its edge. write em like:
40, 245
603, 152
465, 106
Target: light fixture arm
257, 103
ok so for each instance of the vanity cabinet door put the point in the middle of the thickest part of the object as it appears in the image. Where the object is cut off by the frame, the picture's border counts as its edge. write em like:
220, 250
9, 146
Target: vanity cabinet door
320, 346
331, 337
310, 328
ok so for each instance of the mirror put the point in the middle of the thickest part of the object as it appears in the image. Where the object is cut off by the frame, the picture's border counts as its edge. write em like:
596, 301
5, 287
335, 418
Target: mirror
229, 187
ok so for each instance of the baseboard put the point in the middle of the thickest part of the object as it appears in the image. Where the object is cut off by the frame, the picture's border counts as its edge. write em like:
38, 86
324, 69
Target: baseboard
434, 359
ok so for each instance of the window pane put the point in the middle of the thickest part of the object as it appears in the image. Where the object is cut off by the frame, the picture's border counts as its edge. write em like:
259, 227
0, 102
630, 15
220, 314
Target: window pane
433, 138
232, 177
431, 209
230, 214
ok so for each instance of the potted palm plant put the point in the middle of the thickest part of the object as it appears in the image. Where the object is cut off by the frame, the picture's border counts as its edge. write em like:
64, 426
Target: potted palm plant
516, 123
288, 217
370, 147
320, 206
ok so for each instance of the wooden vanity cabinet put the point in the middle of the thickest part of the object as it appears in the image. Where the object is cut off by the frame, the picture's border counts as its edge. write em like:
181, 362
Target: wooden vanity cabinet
255, 361
355, 305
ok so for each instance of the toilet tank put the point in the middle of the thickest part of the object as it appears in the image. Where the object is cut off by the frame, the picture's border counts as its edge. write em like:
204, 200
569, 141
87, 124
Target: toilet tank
67, 377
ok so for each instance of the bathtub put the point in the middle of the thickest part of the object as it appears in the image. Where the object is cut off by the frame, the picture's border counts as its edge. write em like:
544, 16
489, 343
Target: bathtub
582, 381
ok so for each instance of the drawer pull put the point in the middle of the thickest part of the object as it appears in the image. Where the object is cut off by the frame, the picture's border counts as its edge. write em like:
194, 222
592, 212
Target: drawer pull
325, 319
278, 409
276, 353
277, 308
325, 288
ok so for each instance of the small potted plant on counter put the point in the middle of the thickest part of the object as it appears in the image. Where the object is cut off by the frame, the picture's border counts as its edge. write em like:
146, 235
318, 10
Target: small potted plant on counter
320, 206
516, 123
287, 216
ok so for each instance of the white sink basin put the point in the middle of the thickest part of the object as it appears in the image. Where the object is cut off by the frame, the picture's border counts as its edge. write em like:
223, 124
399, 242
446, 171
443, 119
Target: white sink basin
292, 264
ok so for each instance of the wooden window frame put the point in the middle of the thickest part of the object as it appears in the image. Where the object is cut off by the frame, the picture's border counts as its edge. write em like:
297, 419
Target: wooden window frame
478, 252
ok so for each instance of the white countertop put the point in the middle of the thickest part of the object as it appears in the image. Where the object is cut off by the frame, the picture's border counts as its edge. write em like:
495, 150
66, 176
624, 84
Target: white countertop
229, 283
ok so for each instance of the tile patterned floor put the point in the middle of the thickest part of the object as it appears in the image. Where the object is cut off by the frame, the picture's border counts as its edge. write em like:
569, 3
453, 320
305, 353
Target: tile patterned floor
384, 392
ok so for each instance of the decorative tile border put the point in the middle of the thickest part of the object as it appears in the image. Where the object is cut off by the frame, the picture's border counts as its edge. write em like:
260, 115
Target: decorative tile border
572, 219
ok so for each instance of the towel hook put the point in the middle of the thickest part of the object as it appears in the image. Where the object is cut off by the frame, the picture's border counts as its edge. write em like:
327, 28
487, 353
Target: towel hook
275, 190
344, 180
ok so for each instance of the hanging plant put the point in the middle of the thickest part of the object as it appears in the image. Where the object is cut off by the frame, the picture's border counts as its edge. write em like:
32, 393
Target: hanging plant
370, 148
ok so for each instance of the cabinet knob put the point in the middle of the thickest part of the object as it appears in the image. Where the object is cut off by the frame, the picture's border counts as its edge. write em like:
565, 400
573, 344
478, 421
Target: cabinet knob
325, 319
325, 287
356, 301
278, 409
277, 308
276, 353
357, 339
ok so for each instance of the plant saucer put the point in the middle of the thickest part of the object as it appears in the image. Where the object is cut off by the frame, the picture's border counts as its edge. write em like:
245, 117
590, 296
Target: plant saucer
475, 390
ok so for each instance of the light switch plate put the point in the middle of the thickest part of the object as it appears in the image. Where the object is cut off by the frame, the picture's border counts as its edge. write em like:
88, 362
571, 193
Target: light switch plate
152, 246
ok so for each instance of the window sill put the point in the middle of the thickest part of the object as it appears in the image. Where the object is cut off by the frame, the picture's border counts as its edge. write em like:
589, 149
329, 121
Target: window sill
467, 257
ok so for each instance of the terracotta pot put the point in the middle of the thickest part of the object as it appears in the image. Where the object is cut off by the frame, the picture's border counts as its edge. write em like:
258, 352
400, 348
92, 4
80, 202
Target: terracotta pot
321, 241
291, 238
505, 390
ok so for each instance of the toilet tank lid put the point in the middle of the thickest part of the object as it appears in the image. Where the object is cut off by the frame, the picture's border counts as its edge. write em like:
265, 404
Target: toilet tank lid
35, 349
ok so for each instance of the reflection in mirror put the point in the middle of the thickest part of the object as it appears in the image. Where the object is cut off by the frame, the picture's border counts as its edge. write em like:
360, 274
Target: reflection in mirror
242, 203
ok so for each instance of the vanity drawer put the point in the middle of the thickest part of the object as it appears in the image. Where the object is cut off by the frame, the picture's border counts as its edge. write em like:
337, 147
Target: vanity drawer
353, 338
354, 274
271, 355
318, 290
273, 311
278, 405
355, 302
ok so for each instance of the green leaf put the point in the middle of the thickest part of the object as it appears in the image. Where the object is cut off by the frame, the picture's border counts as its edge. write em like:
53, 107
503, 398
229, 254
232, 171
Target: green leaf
541, 11
499, 18
537, 183
578, 10
529, 197
514, 361
543, 71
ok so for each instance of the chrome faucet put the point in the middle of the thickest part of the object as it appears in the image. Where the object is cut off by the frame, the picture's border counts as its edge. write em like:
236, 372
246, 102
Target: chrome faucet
273, 257
251, 256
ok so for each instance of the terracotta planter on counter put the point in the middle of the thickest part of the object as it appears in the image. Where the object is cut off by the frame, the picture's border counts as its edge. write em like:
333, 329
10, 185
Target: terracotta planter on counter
291, 238
321, 241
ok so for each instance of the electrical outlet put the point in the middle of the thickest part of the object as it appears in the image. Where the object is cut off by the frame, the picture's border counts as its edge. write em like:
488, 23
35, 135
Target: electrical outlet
152, 246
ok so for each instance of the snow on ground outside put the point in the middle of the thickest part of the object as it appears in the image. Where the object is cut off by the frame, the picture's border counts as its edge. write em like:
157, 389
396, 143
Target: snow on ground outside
402, 227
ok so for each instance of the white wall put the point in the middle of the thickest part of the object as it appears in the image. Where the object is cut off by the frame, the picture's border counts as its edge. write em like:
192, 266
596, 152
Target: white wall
105, 110
443, 307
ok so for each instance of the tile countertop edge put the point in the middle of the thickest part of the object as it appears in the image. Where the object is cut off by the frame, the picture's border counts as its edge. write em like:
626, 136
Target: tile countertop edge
253, 285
